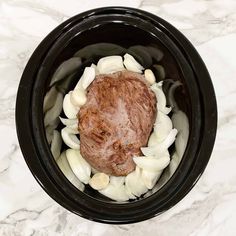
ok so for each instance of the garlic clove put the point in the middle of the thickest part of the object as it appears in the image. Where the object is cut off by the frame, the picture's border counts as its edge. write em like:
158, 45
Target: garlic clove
99, 181
149, 76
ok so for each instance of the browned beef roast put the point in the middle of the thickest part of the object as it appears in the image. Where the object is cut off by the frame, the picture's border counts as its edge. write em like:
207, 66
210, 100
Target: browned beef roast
116, 121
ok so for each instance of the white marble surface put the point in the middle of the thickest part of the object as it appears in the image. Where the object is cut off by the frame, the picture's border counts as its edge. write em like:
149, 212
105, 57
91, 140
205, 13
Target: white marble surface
209, 209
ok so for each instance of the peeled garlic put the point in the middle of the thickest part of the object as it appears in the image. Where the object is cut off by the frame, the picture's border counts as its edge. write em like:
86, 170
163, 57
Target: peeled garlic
151, 163
78, 97
149, 76
99, 181
78, 165
110, 64
66, 170
69, 138
56, 144
131, 64
69, 109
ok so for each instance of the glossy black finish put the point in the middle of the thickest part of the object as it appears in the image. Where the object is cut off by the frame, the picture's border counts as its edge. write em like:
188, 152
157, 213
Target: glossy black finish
126, 27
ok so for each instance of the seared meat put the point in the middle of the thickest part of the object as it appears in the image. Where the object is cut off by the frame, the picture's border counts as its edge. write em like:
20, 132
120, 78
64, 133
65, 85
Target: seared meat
116, 121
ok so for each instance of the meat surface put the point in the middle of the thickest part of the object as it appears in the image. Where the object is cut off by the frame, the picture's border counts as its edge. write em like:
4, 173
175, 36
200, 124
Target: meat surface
116, 121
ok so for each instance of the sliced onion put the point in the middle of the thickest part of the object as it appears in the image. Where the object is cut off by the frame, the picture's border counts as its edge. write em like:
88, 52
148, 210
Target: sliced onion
49, 99
175, 160
117, 180
150, 178
142, 54
68, 108
78, 97
66, 170
56, 144
86, 79
131, 64
149, 76
65, 69
52, 114
78, 165
117, 193
100, 50
171, 93
161, 98
156, 53
162, 147
49, 130
95, 68
110, 64
151, 163
134, 183
163, 126
70, 123
70, 139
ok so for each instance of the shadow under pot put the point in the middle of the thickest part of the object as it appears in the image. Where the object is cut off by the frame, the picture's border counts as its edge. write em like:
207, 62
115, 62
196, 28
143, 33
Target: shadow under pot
142, 43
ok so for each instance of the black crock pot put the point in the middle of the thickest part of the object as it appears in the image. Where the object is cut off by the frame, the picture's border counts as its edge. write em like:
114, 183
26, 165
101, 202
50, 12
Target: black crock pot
125, 27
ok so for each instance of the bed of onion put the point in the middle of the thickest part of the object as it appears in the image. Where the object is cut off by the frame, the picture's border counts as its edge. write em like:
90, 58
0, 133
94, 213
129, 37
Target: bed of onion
156, 156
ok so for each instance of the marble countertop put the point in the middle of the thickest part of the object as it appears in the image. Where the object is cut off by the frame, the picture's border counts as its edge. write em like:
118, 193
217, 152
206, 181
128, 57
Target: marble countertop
209, 209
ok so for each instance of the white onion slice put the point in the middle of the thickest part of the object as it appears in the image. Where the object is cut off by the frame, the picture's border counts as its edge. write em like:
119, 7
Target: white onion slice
65, 69
68, 108
56, 144
161, 98
66, 170
156, 53
95, 68
151, 163
163, 126
99, 181
117, 193
49, 99
171, 93
86, 79
110, 64
117, 180
131, 64
78, 165
78, 97
175, 160
69, 137
134, 183
150, 178
70, 123
49, 130
52, 114
149, 76
162, 147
